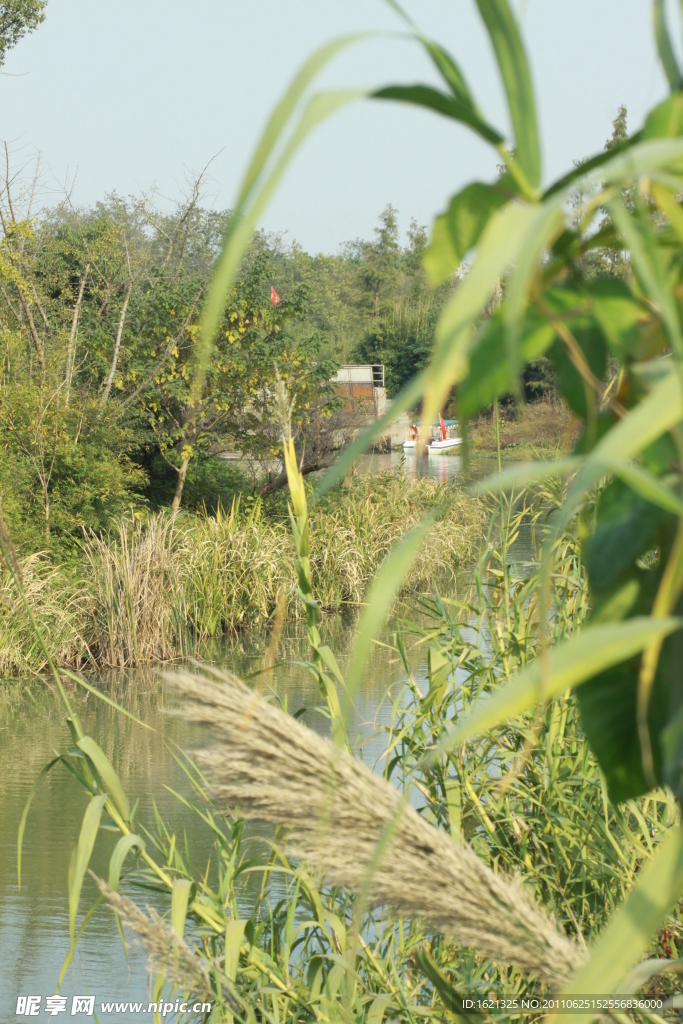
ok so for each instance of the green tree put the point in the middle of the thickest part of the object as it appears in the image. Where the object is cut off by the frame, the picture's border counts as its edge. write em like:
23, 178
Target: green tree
17, 18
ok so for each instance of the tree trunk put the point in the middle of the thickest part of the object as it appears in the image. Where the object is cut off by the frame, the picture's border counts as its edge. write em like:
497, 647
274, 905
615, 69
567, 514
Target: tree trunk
32, 328
182, 473
71, 351
117, 345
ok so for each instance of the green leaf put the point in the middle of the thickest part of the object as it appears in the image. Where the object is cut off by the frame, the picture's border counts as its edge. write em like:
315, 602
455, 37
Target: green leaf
450, 106
24, 814
107, 774
449, 995
581, 170
84, 924
500, 245
661, 410
121, 850
286, 107
570, 382
666, 119
627, 936
572, 663
459, 229
625, 525
256, 191
380, 598
81, 856
664, 47
234, 934
618, 314
378, 1008
648, 486
608, 705
180, 897
646, 259
491, 373
514, 70
406, 399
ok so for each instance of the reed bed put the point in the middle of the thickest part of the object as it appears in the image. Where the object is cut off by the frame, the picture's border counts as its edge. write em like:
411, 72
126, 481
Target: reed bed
148, 591
544, 427
60, 611
354, 827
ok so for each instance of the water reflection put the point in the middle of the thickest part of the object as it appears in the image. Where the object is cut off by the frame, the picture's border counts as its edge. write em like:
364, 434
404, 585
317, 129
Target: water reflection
443, 467
34, 931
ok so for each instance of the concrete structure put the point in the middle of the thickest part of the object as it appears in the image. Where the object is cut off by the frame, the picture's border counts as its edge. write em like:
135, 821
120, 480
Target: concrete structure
363, 383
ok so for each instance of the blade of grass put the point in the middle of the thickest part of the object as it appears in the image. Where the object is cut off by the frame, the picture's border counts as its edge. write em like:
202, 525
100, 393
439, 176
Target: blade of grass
572, 663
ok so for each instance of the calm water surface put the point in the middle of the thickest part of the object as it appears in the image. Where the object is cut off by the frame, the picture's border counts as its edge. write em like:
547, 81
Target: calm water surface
34, 932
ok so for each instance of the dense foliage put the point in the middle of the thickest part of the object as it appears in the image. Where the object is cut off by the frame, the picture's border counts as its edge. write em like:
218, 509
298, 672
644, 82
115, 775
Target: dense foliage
99, 315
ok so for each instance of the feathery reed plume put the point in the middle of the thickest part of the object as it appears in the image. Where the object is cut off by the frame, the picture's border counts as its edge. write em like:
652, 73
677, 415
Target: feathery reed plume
163, 945
336, 811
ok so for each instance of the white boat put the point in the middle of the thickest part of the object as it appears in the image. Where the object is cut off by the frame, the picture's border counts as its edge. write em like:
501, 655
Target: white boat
433, 445
436, 447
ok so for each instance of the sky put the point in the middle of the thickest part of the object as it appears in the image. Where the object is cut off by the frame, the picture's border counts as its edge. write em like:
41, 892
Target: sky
127, 95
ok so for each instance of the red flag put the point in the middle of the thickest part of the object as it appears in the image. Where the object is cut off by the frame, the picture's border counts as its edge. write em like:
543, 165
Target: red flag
444, 432
274, 297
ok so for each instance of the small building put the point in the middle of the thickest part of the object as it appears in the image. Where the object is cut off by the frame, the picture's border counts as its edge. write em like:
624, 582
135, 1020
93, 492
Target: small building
364, 385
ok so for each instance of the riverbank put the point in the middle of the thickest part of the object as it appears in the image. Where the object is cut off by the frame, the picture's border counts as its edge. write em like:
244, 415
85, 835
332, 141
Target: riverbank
538, 430
151, 589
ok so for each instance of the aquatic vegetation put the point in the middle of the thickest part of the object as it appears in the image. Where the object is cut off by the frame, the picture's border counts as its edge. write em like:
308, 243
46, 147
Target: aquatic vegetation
150, 590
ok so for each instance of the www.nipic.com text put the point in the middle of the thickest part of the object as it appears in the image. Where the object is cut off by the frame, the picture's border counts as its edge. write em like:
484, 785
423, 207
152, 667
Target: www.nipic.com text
84, 1006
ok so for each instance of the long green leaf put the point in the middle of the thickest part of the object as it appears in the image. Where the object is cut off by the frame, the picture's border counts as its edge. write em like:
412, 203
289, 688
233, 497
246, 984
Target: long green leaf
664, 47
406, 399
500, 245
81, 856
234, 933
180, 897
109, 777
646, 261
121, 850
629, 932
278, 120
449, 995
514, 69
72, 949
252, 200
24, 814
380, 599
440, 103
572, 663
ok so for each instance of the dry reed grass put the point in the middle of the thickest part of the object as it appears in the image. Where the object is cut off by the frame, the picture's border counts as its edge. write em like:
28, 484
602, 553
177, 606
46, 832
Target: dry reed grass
58, 606
351, 539
544, 425
148, 591
266, 766
136, 594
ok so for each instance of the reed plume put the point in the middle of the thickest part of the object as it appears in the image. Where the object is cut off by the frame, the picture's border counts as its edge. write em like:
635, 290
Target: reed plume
165, 948
267, 766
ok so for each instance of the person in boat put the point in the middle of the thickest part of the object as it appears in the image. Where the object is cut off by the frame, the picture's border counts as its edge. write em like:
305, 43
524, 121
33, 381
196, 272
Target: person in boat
412, 432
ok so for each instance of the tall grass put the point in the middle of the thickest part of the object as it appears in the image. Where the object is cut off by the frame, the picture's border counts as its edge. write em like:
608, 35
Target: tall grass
148, 591
538, 428
60, 610
135, 593
410, 920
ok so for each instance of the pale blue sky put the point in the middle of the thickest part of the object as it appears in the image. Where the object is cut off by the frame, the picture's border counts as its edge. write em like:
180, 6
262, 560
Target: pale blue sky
125, 93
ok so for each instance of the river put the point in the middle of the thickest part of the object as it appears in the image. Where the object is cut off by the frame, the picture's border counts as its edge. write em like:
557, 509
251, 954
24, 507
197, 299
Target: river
34, 932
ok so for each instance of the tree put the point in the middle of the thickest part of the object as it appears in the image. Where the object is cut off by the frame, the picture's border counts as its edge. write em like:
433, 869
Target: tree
400, 332
17, 19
